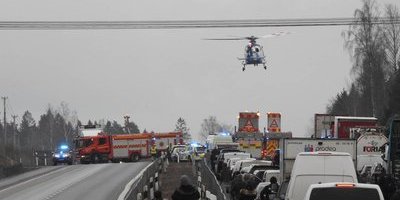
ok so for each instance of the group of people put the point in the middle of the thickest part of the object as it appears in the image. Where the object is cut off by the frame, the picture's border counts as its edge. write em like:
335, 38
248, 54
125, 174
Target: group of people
185, 191
243, 187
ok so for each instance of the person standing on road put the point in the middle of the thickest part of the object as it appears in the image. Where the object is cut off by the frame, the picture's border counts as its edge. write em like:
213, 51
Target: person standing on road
213, 158
153, 151
272, 188
186, 190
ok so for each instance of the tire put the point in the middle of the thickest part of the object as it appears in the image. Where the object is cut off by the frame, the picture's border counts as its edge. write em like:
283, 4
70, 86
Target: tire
54, 163
94, 158
134, 158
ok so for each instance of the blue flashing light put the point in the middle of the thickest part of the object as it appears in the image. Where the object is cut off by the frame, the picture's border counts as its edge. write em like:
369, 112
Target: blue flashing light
224, 134
64, 147
194, 145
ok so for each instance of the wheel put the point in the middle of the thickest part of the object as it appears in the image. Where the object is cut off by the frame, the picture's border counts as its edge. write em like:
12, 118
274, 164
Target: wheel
70, 163
54, 163
134, 157
95, 158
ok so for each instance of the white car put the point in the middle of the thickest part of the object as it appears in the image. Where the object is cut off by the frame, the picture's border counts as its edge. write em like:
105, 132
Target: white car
240, 155
179, 153
232, 162
343, 191
270, 173
238, 164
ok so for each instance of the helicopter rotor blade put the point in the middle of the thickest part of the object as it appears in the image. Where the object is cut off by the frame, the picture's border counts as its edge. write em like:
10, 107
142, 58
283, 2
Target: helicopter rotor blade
238, 38
281, 33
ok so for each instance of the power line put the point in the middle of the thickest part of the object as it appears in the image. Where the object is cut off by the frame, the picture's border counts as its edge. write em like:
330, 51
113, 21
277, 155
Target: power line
182, 24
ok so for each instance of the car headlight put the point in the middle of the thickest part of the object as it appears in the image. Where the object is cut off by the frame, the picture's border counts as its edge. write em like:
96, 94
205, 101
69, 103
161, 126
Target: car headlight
57, 155
66, 155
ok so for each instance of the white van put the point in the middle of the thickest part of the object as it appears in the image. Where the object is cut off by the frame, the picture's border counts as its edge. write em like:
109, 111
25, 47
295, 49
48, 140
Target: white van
319, 167
344, 191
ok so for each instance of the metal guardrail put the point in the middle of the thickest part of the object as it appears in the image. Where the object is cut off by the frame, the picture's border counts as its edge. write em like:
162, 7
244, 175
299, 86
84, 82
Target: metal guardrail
145, 183
208, 181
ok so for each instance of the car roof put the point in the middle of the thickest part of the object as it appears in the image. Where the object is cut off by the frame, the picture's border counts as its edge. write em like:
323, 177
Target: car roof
272, 171
333, 184
323, 153
236, 153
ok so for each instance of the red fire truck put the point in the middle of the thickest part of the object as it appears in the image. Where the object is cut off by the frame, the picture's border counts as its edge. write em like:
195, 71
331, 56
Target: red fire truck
123, 147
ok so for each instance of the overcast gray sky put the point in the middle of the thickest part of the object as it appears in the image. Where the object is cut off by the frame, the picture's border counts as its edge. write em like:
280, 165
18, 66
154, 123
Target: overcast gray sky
158, 76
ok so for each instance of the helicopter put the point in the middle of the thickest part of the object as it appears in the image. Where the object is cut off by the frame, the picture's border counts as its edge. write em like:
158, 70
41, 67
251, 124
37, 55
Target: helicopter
253, 53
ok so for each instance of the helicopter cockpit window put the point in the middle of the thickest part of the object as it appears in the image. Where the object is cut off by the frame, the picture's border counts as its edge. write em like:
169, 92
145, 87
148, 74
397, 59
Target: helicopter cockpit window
248, 49
257, 49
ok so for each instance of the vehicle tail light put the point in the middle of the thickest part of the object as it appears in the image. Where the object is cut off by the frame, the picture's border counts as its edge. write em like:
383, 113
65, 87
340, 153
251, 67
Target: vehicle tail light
345, 185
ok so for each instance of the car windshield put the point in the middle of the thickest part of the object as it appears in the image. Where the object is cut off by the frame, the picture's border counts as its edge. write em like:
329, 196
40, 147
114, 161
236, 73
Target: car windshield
83, 143
179, 149
262, 167
335, 193
201, 149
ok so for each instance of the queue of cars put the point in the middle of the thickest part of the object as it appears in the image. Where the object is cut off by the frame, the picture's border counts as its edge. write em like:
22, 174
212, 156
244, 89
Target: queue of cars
315, 175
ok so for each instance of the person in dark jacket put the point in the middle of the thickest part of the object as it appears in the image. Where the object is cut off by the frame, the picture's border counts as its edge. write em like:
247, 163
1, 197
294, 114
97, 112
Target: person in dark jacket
186, 190
213, 158
387, 185
272, 188
396, 195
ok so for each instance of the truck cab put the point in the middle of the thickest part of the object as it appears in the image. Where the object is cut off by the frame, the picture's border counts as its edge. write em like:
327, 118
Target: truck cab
93, 149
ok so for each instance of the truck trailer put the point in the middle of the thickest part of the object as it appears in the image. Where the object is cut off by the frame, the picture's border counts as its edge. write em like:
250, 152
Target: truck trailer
289, 149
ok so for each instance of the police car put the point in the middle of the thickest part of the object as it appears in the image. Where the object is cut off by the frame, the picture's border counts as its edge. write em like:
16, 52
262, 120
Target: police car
63, 154
196, 151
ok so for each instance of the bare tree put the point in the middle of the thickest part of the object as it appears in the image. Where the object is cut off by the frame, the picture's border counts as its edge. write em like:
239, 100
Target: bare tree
392, 37
70, 118
210, 126
365, 41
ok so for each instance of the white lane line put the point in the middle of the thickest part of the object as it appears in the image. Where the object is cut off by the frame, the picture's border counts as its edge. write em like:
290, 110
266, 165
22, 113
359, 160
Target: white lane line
128, 186
37, 177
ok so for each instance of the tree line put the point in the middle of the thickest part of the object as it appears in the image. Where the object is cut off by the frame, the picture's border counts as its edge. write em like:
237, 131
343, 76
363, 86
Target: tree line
375, 52
54, 127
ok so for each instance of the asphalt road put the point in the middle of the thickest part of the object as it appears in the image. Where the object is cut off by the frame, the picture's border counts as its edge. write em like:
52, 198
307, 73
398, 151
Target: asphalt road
80, 182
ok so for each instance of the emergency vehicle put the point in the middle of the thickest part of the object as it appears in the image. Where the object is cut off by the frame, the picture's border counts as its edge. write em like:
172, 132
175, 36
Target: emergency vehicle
123, 147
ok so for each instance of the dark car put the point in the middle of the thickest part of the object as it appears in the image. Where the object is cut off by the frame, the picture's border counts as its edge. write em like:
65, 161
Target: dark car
63, 154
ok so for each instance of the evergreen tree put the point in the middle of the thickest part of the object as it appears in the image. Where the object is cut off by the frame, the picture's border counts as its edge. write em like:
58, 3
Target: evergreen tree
182, 127
133, 128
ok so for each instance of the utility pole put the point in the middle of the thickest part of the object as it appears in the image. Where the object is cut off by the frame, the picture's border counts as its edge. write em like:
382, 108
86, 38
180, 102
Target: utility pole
15, 148
127, 123
5, 126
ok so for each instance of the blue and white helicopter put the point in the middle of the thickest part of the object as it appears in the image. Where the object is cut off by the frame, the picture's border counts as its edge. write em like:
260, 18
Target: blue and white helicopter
254, 53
